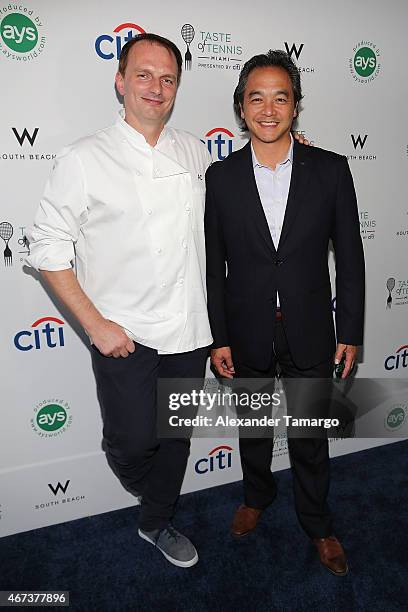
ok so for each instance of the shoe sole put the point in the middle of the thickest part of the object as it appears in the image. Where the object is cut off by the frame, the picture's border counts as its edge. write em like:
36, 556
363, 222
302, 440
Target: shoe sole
336, 573
238, 536
172, 560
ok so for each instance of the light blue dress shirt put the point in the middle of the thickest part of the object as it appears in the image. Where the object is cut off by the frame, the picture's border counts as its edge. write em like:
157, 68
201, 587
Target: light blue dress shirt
273, 188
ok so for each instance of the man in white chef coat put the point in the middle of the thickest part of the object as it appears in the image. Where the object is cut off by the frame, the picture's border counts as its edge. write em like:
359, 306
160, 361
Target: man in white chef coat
142, 301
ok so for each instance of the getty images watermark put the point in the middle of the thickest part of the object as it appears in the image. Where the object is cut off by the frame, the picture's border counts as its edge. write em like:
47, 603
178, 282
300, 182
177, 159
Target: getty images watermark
355, 407
226, 398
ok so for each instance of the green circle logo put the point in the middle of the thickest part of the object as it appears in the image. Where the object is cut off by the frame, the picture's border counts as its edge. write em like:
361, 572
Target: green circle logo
51, 417
396, 418
365, 62
19, 33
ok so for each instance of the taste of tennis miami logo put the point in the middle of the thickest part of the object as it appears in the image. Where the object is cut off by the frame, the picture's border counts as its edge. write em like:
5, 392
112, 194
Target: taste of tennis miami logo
210, 50
15, 240
397, 290
21, 33
52, 417
365, 63
368, 225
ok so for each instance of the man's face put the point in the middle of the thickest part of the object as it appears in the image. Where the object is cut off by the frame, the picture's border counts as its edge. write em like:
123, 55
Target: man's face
149, 85
268, 107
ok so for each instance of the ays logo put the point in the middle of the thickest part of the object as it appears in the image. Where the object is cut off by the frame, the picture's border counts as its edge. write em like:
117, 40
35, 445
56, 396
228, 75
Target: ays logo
51, 418
21, 36
365, 66
219, 142
47, 332
109, 47
398, 360
219, 458
396, 417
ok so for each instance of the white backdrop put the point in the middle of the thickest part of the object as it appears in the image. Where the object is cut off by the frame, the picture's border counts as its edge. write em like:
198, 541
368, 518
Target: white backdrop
57, 64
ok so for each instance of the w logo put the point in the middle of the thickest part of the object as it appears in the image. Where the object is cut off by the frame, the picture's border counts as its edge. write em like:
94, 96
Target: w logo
358, 140
25, 135
59, 487
294, 49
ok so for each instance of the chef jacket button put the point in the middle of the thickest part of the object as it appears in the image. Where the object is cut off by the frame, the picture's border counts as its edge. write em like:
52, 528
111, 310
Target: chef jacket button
163, 285
181, 281
184, 243
149, 211
158, 251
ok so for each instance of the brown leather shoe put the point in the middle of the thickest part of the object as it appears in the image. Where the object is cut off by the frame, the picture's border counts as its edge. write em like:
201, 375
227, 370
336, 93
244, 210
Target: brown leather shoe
332, 555
245, 520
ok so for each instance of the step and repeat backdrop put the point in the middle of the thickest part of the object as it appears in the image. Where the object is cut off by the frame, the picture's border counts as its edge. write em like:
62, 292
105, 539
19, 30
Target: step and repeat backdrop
57, 63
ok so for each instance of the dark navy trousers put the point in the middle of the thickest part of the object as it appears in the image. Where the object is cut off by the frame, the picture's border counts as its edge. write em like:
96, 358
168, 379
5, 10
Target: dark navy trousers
127, 393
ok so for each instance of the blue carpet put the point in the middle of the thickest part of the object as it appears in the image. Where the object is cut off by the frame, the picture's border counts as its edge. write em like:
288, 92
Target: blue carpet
107, 567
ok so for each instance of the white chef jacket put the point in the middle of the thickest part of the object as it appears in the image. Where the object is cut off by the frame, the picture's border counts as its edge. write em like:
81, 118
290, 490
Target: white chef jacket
130, 216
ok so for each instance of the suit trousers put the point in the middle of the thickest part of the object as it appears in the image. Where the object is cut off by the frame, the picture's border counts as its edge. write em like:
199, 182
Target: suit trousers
146, 465
309, 457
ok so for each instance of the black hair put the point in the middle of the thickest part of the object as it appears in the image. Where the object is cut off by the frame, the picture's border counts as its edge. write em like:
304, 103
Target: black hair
276, 58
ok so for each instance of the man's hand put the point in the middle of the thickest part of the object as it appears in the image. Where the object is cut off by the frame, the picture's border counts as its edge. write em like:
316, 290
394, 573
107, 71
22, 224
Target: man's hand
350, 350
301, 139
110, 339
222, 361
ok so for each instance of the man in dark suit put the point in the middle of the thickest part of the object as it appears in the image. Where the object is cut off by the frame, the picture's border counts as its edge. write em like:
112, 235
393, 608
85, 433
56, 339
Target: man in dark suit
272, 209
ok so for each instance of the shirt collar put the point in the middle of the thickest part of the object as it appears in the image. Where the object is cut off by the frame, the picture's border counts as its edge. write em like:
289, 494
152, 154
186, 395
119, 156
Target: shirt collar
288, 157
135, 136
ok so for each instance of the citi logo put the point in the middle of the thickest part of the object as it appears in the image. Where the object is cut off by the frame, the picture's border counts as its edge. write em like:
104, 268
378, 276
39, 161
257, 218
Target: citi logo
221, 144
109, 47
398, 360
25, 135
219, 458
59, 487
294, 49
46, 332
358, 140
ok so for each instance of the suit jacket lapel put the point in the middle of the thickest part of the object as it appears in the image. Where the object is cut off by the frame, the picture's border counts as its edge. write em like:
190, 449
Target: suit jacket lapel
297, 190
254, 204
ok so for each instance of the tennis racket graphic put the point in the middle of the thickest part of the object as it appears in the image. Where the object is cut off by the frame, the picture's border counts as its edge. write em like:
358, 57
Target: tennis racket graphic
6, 232
188, 33
390, 287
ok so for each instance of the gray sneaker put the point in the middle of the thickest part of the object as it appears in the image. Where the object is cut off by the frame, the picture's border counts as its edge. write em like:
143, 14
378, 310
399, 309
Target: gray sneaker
175, 546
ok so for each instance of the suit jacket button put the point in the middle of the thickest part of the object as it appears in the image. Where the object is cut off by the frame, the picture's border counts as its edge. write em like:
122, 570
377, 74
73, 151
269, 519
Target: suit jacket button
279, 262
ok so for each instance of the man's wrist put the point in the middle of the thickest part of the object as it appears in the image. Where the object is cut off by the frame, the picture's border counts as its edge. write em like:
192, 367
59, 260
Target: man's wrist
92, 324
